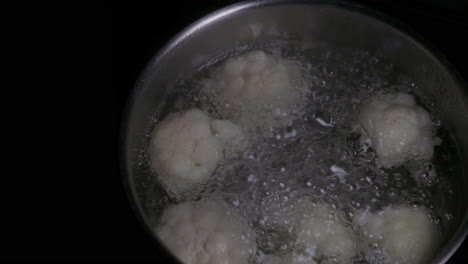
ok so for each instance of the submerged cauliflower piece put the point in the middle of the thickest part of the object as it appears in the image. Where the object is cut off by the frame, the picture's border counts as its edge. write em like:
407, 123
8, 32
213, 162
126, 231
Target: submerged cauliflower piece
405, 234
253, 82
323, 230
398, 129
203, 233
186, 147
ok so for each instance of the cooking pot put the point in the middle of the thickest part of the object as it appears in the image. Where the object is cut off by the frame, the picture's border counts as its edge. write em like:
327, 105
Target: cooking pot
338, 23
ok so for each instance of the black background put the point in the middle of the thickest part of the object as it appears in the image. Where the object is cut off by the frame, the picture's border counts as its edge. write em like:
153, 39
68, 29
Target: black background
97, 222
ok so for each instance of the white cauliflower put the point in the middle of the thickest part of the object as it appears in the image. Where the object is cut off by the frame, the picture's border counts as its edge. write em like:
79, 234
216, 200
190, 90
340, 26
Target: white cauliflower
321, 232
322, 229
253, 82
406, 234
185, 148
398, 129
203, 233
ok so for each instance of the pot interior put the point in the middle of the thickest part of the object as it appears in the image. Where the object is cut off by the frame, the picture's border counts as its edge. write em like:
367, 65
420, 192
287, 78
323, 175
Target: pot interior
319, 23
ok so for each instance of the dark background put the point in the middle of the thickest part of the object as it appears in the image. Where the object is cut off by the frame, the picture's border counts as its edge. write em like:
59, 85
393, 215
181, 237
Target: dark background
105, 226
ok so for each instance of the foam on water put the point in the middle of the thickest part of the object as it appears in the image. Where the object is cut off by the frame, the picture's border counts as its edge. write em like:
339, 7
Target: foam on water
317, 154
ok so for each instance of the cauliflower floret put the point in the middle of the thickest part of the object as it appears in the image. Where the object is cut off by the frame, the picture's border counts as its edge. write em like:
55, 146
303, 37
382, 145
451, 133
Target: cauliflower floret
398, 129
254, 82
203, 233
323, 229
321, 232
406, 234
186, 147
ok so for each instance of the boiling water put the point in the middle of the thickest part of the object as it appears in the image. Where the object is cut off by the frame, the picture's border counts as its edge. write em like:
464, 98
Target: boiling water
317, 153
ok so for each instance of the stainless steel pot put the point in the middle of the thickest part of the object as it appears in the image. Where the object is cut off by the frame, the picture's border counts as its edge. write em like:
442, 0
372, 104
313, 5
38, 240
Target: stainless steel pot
335, 22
